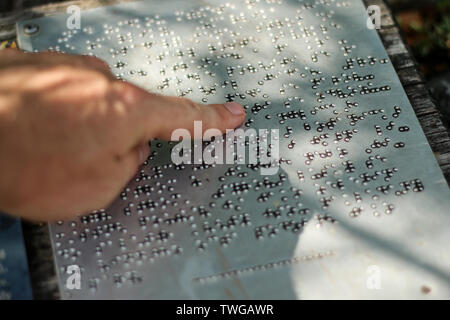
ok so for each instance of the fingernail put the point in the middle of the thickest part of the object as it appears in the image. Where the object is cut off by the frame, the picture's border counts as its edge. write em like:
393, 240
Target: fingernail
235, 108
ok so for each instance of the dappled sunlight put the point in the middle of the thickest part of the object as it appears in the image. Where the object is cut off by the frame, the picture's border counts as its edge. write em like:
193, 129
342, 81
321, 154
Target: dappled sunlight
369, 259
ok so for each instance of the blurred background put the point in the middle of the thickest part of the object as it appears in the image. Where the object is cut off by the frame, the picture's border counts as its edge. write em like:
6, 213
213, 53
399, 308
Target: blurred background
425, 25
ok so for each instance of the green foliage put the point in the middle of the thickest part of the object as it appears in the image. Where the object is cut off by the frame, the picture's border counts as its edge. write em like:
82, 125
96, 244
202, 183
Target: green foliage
434, 34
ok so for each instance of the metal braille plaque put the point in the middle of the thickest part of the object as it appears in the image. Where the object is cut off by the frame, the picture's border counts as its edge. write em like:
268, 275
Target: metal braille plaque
358, 208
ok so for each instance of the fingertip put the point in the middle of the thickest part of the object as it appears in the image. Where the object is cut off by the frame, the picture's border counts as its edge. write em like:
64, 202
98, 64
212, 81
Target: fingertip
235, 108
235, 114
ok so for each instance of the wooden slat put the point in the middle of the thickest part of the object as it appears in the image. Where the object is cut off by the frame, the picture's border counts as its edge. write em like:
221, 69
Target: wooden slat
44, 281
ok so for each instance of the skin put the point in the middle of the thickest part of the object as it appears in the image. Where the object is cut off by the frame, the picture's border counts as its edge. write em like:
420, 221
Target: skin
72, 136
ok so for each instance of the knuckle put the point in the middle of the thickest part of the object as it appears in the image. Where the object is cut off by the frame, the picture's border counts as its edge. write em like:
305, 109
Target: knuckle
127, 93
192, 106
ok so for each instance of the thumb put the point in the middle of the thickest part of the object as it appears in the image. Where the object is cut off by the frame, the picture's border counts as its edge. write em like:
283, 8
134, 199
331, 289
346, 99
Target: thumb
157, 116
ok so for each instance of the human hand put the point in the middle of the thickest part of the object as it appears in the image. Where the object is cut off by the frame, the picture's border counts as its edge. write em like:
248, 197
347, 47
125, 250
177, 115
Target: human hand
72, 136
